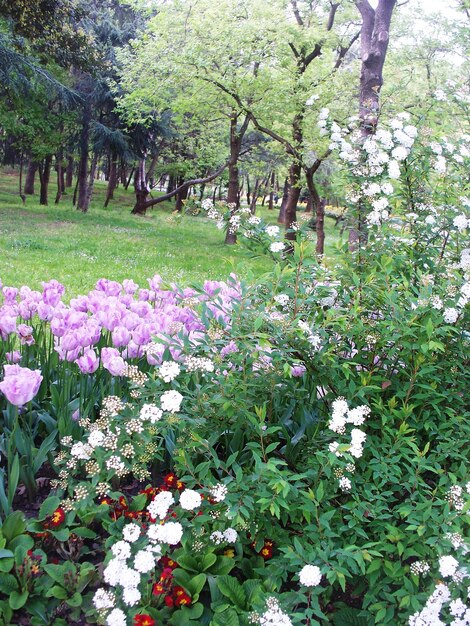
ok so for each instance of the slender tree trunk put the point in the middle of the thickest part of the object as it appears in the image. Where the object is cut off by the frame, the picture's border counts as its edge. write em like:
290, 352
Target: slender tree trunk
30, 177
282, 210
254, 196
60, 178
171, 184
69, 172
44, 177
112, 181
271, 191
233, 195
201, 192
82, 204
20, 183
248, 190
91, 181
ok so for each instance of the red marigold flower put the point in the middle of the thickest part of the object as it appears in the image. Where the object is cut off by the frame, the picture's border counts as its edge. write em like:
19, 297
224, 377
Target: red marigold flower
266, 552
180, 485
169, 601
166, 561
123, 502
144, 620
178, 591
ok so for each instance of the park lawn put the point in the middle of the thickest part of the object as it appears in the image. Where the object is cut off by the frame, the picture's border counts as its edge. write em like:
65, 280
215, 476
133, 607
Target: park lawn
38, 243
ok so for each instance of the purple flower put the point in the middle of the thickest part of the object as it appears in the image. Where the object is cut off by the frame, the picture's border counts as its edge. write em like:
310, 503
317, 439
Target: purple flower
298, 370
230, 348
13, 357
25, 333
141, 334
10, 293
20, 384
7, 325
112, 361
88, 363
130, 286
121, 336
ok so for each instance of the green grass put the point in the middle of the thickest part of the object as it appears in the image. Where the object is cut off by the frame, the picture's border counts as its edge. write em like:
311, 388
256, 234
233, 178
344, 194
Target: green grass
38, 243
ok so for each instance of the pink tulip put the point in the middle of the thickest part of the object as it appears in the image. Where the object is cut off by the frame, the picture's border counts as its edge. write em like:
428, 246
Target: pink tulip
112, 361
88, 363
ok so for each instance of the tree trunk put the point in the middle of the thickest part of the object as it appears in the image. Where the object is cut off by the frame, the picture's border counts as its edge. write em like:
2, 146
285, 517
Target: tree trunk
112, 180
201, 192
254, 197
60, 178
319, 206
141, 189
69, 172
82, 204
282, 210
181, 197
292, 197
271, 191
91, 181
248, 190
44, 177
233, 195
30, 177
171, 184
374, 43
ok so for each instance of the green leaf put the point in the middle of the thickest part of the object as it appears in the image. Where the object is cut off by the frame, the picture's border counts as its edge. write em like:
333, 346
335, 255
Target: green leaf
228, 618
232, 589
196, 584
75, 600
207, 560
8, 583
6, 554
17, 600
350, 617
13, 478
49, 506
56, 592
13, 526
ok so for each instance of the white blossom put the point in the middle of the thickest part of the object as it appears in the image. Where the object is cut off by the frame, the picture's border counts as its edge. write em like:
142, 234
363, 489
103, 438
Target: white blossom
310, 576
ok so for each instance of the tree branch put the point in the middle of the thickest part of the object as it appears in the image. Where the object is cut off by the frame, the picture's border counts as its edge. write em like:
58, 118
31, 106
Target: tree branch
331, 16
295, 9
185, 185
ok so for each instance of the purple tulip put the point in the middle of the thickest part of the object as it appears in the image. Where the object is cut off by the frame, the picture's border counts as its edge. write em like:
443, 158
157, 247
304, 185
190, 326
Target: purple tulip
7, 325
121, 336
130, 287
25, 333
10, 293
112, 361
69, 341
20, 384
88, 363
141, 334
58, 326
13, 357
45, 311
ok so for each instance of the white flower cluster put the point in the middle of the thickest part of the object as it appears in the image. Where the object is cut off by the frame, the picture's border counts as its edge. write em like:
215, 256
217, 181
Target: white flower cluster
159, 506
170, 533
282, 299
207, 204
310, 576
151, 413
190, 500
274, 615
341, 416
229, 535
218, 492
277, 246
198, 364
171, 401
430, 615
168, 371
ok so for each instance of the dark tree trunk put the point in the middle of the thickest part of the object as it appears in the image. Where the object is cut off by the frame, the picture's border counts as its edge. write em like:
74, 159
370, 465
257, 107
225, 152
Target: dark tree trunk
30, 177
271, 191
20, 183
69, 172
282, 210
319, 206
292, 198
374, 44
233, 193
91, 180
141, 189
181, 196
201, 192
171, 184
60, 178
123, 174
254, 197
112, 180
82, 202
248, 190
44, 177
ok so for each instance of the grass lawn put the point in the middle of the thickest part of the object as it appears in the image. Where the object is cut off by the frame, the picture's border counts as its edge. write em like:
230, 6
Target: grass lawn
38, 243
